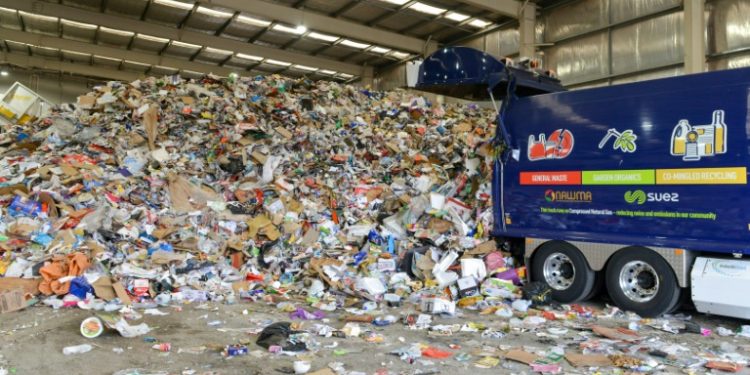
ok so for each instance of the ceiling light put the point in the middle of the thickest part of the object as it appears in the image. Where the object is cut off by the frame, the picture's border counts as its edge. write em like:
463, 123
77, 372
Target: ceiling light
249, 57
458, 17
4, 73
399, 55
135, 63
346, 75
277, 62
353, 44
214, 12
328, 72
106, 58
75, 53
479, 23
218, 51
41, 18
397, 2
162, 67
303, 67
177, 43
116, 31
78, 24
191, 72
152, 38
380, 50
7, 10
48, 49
253, 21
175, 4
429, 9
299, 30
326, 37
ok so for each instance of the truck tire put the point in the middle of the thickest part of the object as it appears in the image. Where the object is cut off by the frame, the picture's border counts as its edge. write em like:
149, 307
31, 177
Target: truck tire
641, 281
598, 286
564, 269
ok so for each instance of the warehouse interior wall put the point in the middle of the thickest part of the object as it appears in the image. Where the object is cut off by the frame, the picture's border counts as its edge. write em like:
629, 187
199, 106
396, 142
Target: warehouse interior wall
55, 87
591, 43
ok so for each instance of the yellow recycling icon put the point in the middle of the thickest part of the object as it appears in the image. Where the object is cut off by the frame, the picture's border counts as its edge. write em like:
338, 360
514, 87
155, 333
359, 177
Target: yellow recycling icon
693, 142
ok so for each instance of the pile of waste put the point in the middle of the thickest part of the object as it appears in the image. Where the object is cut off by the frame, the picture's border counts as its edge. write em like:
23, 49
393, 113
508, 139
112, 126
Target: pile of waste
248, 188
318, 198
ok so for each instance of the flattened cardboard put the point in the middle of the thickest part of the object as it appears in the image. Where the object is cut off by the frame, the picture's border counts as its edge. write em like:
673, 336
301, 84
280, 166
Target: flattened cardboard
284, 133
588, 360
521, 356
325, 371
616, 334
483, 248
12, 300
29, 286
260, 158
86, 101
121, 293
317, 265
7, 190
242, 285
103, 289
150, 123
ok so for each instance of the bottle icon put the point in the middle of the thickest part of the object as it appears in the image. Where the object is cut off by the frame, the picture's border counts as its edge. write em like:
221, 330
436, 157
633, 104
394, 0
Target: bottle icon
693, 142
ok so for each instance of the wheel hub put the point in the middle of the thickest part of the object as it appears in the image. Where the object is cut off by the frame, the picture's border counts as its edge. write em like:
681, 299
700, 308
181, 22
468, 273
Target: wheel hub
639, 281
559, 271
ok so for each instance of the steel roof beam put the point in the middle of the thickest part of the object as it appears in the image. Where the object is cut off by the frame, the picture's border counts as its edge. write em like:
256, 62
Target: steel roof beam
510, 8
116, 53
25, 61
182, 35
324, 23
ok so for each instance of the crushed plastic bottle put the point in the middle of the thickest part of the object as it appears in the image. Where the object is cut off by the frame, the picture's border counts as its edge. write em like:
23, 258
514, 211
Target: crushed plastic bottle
77, 349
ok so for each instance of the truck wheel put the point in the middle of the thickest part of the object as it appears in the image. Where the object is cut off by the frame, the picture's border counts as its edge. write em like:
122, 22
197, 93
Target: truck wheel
564, 269
640, 280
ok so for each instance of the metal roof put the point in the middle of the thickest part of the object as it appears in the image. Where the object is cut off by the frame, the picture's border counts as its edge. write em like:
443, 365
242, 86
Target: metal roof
322, 39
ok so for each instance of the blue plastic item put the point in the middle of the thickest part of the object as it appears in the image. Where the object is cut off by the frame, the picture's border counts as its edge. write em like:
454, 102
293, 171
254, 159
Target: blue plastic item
79, 287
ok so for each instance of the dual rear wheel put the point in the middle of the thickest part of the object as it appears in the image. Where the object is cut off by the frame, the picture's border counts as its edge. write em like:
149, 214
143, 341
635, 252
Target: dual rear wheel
637, 279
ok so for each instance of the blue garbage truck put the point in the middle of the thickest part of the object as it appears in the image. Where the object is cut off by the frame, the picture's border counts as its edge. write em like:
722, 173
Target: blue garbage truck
637, 188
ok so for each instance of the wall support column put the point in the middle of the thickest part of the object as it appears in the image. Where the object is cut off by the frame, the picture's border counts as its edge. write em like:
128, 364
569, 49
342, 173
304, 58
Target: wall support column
526, 28
368, 73
694, 46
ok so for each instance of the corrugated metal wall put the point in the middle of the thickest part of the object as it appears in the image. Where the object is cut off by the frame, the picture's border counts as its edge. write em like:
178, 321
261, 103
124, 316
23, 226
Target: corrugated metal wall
611, 41
728, 25
601, 42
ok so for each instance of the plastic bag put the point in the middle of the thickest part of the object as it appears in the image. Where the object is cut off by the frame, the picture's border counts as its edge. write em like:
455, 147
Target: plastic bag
277, 334
538, 293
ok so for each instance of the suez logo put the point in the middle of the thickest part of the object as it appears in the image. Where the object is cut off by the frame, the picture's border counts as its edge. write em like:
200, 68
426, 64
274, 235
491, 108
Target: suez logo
641, 197
567, 196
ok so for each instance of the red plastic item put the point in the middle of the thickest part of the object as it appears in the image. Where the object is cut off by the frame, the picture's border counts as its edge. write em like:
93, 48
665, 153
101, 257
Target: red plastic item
254, 277
433, 352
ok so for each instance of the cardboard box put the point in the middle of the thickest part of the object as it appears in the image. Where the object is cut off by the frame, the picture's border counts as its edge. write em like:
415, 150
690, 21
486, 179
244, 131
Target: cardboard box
12, 301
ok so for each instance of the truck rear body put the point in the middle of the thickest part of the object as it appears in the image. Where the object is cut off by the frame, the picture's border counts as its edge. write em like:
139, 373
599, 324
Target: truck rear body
656, 163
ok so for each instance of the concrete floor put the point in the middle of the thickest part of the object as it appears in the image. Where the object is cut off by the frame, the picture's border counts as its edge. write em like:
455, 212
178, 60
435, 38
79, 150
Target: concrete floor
31, 342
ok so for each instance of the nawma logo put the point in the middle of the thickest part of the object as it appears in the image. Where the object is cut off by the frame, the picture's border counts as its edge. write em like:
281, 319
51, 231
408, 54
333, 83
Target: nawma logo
638, 196
549, 195
567, 196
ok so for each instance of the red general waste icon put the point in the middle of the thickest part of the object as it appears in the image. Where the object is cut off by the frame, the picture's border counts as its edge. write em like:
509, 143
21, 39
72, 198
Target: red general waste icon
558, 145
